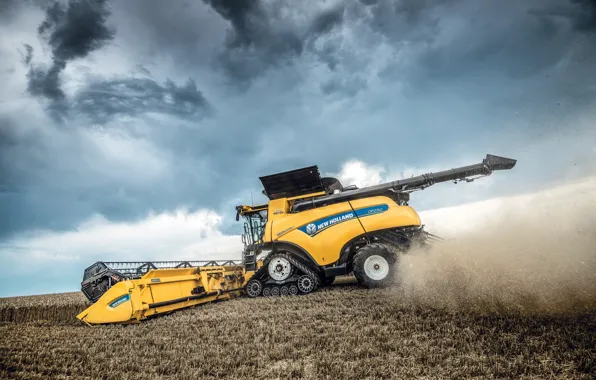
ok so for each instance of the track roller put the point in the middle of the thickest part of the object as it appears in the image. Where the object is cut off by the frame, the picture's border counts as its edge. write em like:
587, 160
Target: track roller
285, 275
306, 283
293, 289
254, 288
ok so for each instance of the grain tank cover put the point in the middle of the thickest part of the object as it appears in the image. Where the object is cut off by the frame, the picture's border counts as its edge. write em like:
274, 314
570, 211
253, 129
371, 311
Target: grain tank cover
293, 183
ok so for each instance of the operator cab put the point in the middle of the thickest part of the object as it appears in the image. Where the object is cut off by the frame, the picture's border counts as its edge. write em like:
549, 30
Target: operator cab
255, 220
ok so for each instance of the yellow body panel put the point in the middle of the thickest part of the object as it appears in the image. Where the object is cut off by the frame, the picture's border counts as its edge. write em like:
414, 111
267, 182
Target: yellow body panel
164, 290
395, 216
325, 246
350, 220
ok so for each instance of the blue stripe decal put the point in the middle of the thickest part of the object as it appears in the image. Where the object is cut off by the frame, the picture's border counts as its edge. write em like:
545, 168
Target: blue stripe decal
361, 212
317, 226
120, 300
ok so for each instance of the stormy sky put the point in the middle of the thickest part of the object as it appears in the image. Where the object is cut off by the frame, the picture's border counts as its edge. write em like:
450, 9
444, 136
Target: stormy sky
131, 129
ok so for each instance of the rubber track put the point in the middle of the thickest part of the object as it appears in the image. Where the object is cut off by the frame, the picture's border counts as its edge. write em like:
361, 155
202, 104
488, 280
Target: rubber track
263, 269
305, 269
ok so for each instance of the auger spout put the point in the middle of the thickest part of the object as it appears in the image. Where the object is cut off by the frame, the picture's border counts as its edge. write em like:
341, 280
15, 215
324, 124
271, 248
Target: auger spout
486, 167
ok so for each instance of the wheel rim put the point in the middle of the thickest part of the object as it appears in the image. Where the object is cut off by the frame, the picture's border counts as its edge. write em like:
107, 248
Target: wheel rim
376, 267
279, 268
284, 291
306, 284
275, 291
266, 292
254, 288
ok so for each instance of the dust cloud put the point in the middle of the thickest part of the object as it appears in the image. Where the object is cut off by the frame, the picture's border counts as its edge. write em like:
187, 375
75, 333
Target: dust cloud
526, 254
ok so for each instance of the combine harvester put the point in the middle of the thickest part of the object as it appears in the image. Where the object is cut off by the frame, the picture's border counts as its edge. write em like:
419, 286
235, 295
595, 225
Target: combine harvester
312, 230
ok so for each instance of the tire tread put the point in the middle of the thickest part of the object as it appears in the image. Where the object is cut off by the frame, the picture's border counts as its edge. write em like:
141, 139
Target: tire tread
361, 256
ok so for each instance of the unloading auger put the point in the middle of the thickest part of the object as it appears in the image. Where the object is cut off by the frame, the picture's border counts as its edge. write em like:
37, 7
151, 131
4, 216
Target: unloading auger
311, 230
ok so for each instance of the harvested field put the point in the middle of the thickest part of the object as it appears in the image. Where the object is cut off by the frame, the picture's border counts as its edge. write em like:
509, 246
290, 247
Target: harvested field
343, 331
514, 299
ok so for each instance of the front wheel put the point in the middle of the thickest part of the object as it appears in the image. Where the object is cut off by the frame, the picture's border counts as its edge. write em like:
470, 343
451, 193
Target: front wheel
374, 266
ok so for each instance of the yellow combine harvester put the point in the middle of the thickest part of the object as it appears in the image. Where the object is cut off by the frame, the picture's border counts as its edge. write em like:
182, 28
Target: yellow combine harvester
312, 230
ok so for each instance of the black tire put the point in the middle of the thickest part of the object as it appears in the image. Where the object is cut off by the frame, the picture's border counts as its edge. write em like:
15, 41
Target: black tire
380, 269
293, 289
307, 284
254, 288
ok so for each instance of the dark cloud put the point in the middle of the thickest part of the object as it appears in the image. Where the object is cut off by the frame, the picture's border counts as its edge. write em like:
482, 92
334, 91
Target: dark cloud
75, 31
8, 8
28, 54
585, 15
72, 32
387, 82
258, 41
104, 100
326, 21
252, 44
46, 83
248, 19
503, 50
406, 20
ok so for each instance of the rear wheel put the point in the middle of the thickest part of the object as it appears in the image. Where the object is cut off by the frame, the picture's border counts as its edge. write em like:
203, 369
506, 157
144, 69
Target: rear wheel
374, 265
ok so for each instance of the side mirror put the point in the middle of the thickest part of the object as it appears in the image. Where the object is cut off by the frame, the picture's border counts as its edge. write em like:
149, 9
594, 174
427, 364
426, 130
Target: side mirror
237, 215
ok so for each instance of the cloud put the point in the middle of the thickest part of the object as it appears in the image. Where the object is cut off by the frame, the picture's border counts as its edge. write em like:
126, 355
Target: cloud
72, 32
584, 15
187, 103
75, 31
357, 173
535, 159
264, 36
179, 235
28, 55
49, 192
103, 100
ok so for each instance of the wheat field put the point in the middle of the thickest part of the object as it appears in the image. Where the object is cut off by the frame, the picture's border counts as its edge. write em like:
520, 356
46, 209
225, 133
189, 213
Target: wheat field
339, 332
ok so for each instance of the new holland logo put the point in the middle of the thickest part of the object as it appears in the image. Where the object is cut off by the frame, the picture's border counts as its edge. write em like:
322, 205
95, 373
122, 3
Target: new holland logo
120, 300
318, 226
